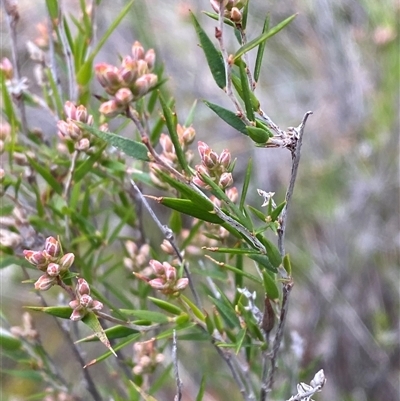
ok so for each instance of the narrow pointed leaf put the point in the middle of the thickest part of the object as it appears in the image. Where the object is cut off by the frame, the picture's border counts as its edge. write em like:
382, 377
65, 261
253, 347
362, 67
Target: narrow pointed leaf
63, 312
246, 92
260, 51
213, 56
112, 334
270, 286
264, 261
190, 117
86, 167
215, 17
263, 37
167, 306
145, 396
155, 317
45, 173
170, 120
258, 135
245, 14
196, 311
277, 211
227, 312
238, 86
287, 265
202, 389
240, 338
228, 116
259, 214
131, 148
246, 183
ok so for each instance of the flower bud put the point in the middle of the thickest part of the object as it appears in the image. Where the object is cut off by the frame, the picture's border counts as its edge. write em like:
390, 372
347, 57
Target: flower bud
83, 145
137, 51
188, 135
110, 108
158, 284
150, 58
181, 284
66, 261
52, 247
7, 68
225, 158
123, 96
142, 68
70, 110
166, 144
53, 269
85, 300
82, 288
202, 148
81, 114
77, 314
35, 258
45, 282
210, 160
144, 84
5, 131
97, 305
158, 267
236, 15
167, 247
170, 272
226, 180
108, 75
232, 194
20, 159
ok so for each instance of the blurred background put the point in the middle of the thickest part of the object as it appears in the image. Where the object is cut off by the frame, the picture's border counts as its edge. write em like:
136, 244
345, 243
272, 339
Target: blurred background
339, 59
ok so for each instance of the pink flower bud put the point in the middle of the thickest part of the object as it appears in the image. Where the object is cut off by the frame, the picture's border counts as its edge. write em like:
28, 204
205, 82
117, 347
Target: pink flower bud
188, 135
110, 108
158, 267
150, 58
141, 68
210, 160
5, 131
202, 148
81, 114
226, 180
53, 269
123, 96
181, 284
45, 282
232, 194
108, 75
85, 301
7, 68
158, 284
52, 247
35, 258
66, 261
82, 288
70, 110
225, 158
144, 84
97, 305
166, 144
74, 304
236, 15
77, 314
137, 51
170, 272
83, 145
128, 71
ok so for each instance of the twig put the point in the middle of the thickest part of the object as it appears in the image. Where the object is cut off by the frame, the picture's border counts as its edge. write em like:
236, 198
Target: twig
267, 382
12, 18
246, 58
219, 34
178, 396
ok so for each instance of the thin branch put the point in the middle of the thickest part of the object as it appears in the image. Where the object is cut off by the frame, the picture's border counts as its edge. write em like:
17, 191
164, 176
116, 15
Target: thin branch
178, 396
267, 382
219, 34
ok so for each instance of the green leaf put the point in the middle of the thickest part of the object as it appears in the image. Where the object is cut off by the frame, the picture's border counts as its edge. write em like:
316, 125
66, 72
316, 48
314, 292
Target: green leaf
64, 312
86, 166
144, 395
258, 135
202, 389
170, 120
270, 286
171, 308
263, 37
213, 56
246, 184
196, 311
45, 173
91, 320
131, 148
263, 260
240, 338
227, 312
112, 333
233, 251
258, 213
7, 105
277, 211
246, 92
260, 51
228, 116
189, 208
215, 17
272, 251
52, 8
190, 117
155, 317
237, 83
85, 72
245, 13
8, 341
287, 264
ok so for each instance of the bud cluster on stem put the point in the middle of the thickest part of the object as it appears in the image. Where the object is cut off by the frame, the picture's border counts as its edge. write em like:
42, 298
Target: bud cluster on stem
128, 83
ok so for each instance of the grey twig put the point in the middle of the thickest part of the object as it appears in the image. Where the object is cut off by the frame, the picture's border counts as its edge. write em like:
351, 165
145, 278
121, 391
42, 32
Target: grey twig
267, 382
178, 396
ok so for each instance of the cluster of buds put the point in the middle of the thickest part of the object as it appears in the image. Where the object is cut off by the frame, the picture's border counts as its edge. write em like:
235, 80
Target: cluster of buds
166, 279
214, 166
129, 82
231, 8
83, 303
146, 358
57, 395
138, 258
186, 136
68, 130
51, 262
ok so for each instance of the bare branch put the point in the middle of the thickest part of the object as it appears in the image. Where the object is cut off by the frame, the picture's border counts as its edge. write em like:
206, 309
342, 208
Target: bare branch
178, 396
